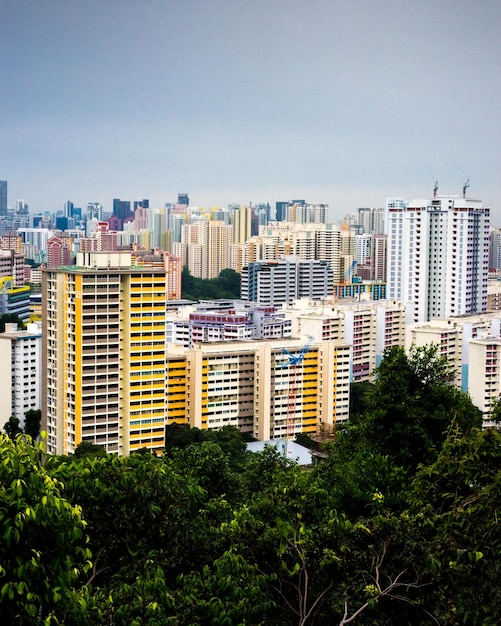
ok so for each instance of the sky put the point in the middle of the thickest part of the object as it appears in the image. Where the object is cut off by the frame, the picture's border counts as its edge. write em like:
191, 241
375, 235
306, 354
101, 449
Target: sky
345, 102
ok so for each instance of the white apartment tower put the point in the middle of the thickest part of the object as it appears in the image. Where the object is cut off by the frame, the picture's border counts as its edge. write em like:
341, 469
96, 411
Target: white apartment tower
285, 280
438, 256
20, 360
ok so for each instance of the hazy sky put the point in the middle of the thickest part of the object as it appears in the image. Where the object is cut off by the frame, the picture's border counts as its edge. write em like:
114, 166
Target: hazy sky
344, 102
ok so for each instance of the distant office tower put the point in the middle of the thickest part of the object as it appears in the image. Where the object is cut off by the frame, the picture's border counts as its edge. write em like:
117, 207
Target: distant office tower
182, 198
300, 211
104, 353
145, 204
94, 211
438, 256
3, 197
156, 226
121, 208
285, 280
281, 211
68, 209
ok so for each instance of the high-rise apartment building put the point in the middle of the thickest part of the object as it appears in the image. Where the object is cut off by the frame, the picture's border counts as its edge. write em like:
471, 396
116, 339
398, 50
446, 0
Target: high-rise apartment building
368, 328
59, 251
206, 247
20, 360
438, 256
104, 354
112, 380
248, 385
283, 281
485, 387
371, 220
3, 197
242, 222
379, 257
495, 249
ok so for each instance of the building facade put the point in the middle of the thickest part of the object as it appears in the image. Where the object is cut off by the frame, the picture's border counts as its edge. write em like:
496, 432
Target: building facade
20, 371
104, 354
437, 262
281, 282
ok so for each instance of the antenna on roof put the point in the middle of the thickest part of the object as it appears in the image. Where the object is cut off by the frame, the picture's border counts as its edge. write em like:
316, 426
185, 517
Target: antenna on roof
435, 184
465, 187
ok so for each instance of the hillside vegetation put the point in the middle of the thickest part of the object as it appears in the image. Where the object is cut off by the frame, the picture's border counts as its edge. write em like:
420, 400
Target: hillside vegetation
399, 525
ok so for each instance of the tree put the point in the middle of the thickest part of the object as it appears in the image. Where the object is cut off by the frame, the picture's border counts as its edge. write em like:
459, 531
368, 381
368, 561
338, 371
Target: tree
138, 509
456, 502
413, 404
181, 436
303, 439
87, 448
43, 552
359, 399
226, 285
11, 318
32, 422
12, 427
229, 281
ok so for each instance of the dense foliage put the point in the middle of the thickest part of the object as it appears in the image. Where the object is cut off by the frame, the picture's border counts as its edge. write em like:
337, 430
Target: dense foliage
32, 424
11, 318
226, 285
378, 533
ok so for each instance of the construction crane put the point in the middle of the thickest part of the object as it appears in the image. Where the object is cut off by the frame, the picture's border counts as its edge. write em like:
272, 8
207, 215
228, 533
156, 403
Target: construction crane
294, 362
349, 272
465, 187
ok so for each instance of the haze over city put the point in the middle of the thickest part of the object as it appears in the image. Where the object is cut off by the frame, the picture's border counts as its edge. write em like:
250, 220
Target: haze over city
336, 102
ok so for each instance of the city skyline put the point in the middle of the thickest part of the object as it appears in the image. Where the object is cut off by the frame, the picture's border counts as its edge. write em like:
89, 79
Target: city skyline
339, 103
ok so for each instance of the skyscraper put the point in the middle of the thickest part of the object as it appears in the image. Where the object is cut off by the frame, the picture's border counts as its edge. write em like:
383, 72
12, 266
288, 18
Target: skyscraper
438, 256
3, 197
121, 208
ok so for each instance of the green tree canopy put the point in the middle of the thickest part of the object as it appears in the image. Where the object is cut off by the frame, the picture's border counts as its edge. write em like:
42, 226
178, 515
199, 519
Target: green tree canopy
43, 552
32, 422
413, 404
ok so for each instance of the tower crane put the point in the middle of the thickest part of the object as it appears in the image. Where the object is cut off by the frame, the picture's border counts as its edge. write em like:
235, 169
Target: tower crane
465, 187
294, 362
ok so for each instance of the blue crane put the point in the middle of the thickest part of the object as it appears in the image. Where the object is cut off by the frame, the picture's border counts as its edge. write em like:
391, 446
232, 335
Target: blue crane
349, 272
294, 361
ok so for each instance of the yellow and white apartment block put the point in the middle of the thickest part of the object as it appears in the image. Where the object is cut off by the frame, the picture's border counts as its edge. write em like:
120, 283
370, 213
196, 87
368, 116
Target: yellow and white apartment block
112, 380
104, 354
248, 385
